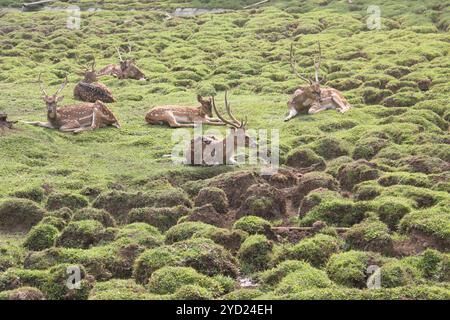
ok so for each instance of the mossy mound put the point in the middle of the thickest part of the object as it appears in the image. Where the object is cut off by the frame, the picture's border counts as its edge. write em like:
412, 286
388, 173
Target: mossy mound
56, 287
186, 230
353, 173
255, 253
119, 203
19, 215
303, 158
314, 198
25, 293
141, 234
315, 250
192, 293
101, 216
57, 201
201, 254
206, 214
81, 234
214, 196
312, 181
370, 235
350, 268
10, 256
330, 148
168, 280
161, 218
120, 289
252, 225
41, 236
263, 200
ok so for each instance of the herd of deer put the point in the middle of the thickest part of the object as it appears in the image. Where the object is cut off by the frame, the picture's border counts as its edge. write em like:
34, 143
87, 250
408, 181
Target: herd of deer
94, 114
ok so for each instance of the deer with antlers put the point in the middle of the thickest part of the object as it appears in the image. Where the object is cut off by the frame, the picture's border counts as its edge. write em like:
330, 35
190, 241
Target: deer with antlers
314, 97
89, 89
183, 116
214, 151
74, 118
127, 68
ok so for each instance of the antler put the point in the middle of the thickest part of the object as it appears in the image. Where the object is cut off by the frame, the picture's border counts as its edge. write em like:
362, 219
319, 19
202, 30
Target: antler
62, 87
317, 64
234, 123
118, 52
294, 66
41, 85
93, 64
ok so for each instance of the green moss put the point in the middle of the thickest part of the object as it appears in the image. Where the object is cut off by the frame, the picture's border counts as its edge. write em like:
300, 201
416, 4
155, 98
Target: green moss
252, 225
214, 196
10, 256
101, 216
34, 193
392, 209
192, 292
330, 148
201, 254
303, 279
242, 294
81, 234
356, 172
316, 250
186, 230
397, 274
168, 280
350, 268
41, 237
142, 234
57, 201
272, 277
370, 235
255, 253
305, 158
24, 293
161, 218
118, 289
56, 287
19, 214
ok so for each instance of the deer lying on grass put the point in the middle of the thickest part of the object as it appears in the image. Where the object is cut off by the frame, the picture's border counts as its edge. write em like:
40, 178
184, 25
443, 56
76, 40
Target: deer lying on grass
182, 116
126, 70
214, 151
74, 118
90, 90
314, 97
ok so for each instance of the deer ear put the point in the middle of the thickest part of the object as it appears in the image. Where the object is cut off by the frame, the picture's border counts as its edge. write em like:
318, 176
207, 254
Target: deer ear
199, 98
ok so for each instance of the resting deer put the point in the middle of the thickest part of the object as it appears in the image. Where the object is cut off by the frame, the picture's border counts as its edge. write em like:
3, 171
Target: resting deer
314, 97
212, 148
126, 70
74, 118
90, 90
182, 116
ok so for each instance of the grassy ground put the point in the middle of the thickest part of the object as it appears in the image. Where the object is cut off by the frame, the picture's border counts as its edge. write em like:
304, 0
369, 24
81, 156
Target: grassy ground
397, 79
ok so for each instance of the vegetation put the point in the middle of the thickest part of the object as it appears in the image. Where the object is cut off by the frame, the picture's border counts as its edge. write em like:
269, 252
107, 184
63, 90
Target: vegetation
357, 190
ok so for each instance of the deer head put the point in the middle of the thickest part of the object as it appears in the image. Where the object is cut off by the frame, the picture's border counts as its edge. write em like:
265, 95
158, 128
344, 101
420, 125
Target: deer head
206, 105
51, 100
238, 127
89, 73
129, 68
314, 83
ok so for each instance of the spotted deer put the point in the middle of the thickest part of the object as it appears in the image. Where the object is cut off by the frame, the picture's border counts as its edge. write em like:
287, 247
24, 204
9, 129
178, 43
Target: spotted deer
89, 89
209, 150
183, 116
4, 123
74, 118
313, 97
127, 68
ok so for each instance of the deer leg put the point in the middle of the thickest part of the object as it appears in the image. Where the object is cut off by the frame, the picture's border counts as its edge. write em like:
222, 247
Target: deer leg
70, 126
173, 123
316, 108
342, 107
292, 114
39, 124
214, 123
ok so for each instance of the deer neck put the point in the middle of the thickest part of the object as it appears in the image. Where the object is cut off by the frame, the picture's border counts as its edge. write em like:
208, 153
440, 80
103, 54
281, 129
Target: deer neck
200, 112
52, 115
